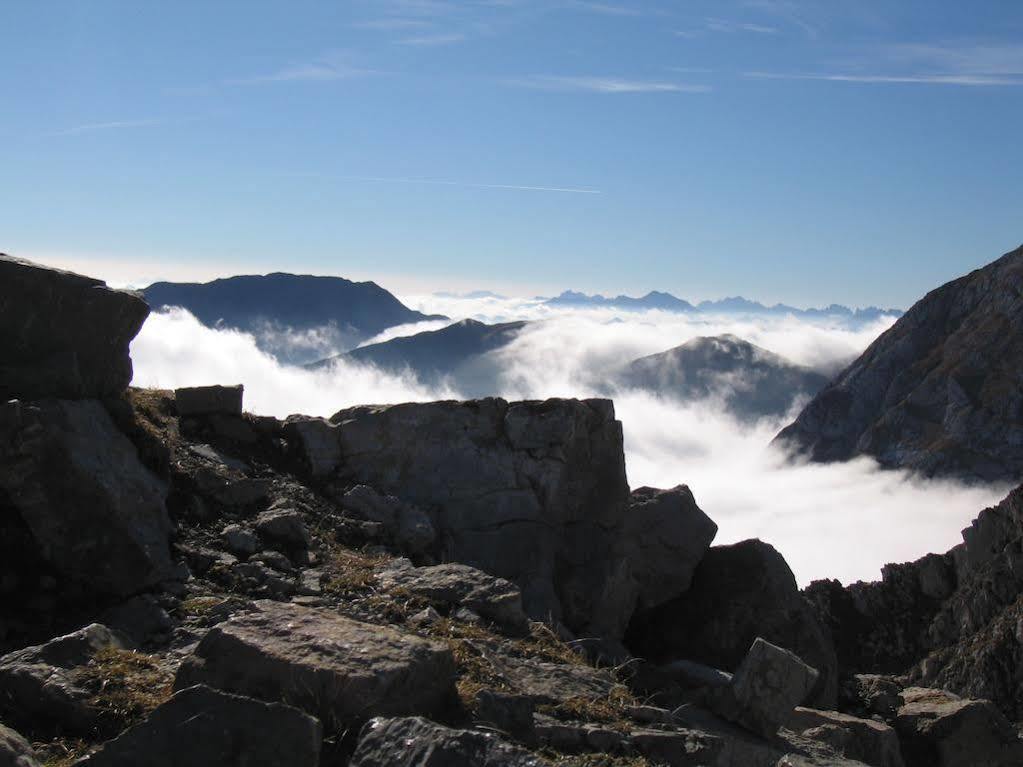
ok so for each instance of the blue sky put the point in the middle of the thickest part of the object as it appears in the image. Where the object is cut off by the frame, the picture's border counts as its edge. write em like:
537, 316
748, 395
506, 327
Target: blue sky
797, 151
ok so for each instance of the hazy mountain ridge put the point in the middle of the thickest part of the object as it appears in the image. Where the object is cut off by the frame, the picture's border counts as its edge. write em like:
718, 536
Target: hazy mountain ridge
731, 305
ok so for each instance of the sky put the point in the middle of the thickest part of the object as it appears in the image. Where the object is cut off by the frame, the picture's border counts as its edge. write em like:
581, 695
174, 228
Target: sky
786, 150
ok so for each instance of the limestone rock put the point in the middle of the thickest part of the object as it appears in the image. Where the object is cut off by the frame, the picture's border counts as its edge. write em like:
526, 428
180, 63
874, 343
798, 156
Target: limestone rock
201, 726
939, 392
939, 729
15, 751
240, 540
415, 742
453, 585
285, 527
765, 689
507, 712
866, 740
316, 442
666, 536
410, 527
739, 592
533, 492
209, 400
338, 669
37, 686
62, 334
96, 514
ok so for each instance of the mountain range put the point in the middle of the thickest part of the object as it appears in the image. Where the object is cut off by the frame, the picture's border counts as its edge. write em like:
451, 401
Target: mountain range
734, 305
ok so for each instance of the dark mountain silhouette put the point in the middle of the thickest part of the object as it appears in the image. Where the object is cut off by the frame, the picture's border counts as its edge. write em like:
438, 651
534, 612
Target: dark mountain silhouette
753, 382
451, 352
940, 392
274, 306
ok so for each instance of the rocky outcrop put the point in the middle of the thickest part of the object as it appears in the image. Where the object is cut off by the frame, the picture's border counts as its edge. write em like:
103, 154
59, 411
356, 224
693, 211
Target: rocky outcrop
94, 512
15, 751
337, 669
866, 740
62, 334
415, 741
666, 535
200, 726
739, 592
209, 400
939, 392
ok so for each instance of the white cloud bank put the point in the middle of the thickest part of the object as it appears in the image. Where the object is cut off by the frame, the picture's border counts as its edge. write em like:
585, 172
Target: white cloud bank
841, 520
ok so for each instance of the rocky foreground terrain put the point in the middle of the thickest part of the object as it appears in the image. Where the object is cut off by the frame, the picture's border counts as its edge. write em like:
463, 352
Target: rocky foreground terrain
443, 584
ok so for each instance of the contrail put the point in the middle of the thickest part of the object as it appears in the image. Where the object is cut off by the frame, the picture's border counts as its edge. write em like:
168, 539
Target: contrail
441, 182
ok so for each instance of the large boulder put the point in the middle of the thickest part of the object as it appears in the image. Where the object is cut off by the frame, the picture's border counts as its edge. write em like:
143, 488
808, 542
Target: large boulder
62, 334
15, 751
418, 742
940, 392
95, 513
200, 726
209, 400
939, 729
534, 492
337, 669
38, 685
666, 536
739, 592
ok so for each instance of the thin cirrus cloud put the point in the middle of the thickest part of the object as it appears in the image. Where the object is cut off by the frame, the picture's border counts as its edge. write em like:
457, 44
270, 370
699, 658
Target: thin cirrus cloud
327, 68
432, 40
968, 80
609, 85
111, 125
472, 185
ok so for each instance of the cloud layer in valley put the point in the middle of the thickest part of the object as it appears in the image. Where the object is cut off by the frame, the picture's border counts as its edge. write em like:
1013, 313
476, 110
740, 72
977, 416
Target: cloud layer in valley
842, 521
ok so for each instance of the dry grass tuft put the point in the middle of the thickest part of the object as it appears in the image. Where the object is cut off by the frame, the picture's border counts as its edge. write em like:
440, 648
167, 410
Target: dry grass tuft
350, 573
125, 686
61, 752
594, 760
609, 710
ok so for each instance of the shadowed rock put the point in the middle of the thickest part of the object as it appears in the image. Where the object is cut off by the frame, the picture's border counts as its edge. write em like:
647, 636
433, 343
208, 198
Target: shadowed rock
201, 726
15, 751
62, 334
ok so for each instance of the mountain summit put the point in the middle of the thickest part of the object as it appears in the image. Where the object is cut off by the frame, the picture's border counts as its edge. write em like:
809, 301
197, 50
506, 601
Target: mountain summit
940, 392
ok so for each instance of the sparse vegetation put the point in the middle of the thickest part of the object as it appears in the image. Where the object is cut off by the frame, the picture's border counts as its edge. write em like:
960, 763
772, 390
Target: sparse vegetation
125, 686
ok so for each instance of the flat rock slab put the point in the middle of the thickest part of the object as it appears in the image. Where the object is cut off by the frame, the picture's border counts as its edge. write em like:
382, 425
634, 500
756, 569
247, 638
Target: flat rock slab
490, 597
940, 729
867, 740
201, 726
62, 334
209, 400
545, 682
417, 742
95, 512
338, 669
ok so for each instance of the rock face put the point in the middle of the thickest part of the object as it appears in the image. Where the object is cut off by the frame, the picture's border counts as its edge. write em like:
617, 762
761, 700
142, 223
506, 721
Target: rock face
738, 593
533, 492
63, 335
209, 400
942, 730
867, 740
416, 741
93, 511
274, 306
200, 726
939, 392
340, 670
753, 382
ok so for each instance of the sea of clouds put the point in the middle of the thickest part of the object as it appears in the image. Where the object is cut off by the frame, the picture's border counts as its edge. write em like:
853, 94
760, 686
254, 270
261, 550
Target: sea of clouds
839, 521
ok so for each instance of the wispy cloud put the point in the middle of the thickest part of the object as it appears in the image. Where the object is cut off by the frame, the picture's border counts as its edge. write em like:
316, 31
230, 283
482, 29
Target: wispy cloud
787, 11
471, 185
923, 79
959, 59
432, 40
336, 66
391, 25
112, 125
723, 25
605, 85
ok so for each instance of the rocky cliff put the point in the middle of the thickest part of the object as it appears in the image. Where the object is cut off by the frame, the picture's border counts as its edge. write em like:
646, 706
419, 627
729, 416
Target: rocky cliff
184, 583
939, 392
